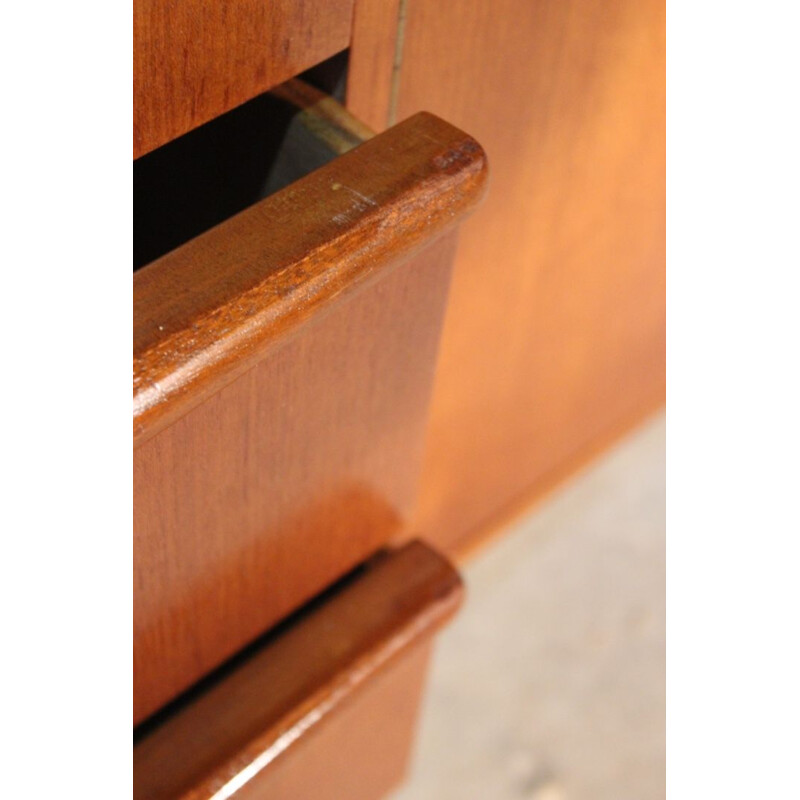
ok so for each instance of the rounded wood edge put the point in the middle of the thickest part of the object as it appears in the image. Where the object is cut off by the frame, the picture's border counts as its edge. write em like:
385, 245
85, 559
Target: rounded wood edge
299, 678
371, 209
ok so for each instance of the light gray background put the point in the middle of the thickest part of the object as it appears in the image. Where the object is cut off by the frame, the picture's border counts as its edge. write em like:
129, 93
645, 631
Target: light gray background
550, 684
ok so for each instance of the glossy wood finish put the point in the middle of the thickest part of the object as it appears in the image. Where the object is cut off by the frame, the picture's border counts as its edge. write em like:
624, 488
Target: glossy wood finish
554, 333
284, 480
363, 750
284, 363
324, 709
194, 60
205, 313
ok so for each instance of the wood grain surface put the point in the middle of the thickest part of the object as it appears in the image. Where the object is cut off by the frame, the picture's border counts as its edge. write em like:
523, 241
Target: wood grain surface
324, 708
291, 353
194, 60
554, 333
205, 313
362, 751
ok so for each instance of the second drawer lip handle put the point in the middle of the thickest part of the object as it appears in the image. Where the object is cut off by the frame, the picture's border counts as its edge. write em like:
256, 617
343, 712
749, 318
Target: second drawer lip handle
208, 311
266, 704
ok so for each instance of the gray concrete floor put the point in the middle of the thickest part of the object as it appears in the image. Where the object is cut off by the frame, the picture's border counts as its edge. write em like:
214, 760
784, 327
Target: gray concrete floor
550, 685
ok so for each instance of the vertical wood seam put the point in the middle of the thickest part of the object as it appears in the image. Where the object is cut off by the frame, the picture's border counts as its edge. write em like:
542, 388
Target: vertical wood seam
398, 62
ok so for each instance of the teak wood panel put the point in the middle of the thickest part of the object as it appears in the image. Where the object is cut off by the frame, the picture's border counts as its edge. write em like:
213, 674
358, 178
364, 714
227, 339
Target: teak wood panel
284, 480
209, 310
360, 753
325, 708
283, 368
554, 333
193, 59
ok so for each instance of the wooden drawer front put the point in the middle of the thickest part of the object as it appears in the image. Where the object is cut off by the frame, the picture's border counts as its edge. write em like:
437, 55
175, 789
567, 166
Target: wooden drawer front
282, 371
196, 59
324, 709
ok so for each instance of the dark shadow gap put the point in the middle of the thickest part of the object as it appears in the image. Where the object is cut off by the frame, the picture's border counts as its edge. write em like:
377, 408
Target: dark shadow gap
221, 168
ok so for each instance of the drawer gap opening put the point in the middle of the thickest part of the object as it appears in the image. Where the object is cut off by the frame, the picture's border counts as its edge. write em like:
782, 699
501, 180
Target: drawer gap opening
221, 168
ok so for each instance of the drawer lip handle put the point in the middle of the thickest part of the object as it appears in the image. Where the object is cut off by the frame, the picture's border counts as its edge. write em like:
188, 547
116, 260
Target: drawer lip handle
208, 311
297, 679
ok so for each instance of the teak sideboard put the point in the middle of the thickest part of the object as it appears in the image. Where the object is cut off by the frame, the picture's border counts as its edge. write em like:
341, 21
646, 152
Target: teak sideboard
399, 269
